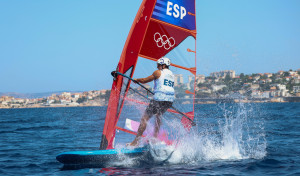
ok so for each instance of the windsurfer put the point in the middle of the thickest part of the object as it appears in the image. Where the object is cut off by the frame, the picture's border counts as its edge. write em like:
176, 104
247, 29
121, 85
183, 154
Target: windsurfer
163, 98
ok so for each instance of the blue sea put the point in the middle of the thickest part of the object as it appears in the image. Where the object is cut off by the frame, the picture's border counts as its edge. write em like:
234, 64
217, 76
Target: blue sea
229, 139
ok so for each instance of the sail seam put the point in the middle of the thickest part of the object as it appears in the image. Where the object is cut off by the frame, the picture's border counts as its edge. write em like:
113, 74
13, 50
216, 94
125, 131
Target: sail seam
193, 32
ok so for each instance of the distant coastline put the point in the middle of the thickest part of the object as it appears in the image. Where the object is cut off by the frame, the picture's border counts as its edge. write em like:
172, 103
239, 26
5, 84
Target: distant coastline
204, 101
223, 86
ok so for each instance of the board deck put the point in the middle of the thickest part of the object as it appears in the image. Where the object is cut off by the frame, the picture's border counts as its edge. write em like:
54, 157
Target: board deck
98, 156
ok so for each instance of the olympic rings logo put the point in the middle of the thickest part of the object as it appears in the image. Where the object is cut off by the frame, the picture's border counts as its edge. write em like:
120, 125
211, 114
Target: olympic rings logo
164, 41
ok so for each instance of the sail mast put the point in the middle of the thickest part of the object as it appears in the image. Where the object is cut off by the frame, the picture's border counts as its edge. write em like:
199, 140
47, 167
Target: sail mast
126, 66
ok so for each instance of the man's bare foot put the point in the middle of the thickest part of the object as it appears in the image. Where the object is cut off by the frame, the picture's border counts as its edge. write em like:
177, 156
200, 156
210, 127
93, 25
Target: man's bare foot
132, 144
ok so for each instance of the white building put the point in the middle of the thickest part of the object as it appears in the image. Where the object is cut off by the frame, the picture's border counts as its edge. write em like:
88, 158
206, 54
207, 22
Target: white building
265, 94
296, 89
217, 87
254, 86
223, 74
256, 78
256, 94
178, 79
66, 94
281, 87
191, 81
200, 79
268, 75
293, 73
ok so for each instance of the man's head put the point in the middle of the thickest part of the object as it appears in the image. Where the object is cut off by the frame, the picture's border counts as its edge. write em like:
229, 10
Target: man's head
163, 62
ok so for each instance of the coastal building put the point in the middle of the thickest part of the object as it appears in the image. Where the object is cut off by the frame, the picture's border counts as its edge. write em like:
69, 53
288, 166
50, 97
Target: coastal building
7, 98
268, 75
297, 80
275, 93
254, 86
281, 87
296, 89
284, 93
178, 79
200, 79
103, 92
256, 78
260, 94
216, 88
268, 80
255, 94
190, 84
273, 88
293, 73
265, 94
18, 101
280, 72
76, 95
66, 94
204, 90
65, 101
223, 74
262, 81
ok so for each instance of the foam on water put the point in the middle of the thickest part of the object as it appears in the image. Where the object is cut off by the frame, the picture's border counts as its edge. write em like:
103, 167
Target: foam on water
122, 159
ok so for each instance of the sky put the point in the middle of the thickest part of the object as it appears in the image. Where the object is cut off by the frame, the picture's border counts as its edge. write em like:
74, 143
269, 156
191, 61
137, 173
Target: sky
73, 45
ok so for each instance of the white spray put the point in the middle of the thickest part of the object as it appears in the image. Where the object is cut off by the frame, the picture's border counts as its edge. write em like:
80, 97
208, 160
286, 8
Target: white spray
237, 134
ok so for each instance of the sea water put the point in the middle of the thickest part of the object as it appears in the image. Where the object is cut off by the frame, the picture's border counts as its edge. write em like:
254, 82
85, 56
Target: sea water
229, 139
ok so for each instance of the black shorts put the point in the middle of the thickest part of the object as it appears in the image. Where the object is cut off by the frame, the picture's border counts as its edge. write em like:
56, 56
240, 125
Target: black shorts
158, 107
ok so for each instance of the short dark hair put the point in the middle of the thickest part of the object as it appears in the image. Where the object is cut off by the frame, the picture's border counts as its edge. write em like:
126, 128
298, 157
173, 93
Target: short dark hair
166, 66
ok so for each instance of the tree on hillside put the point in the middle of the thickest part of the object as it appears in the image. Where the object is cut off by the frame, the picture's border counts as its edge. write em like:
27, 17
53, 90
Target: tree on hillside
82, 99
289, 86
264, 87
204, 85
210, 77
263, 77
285, 74
227, 79
242, 76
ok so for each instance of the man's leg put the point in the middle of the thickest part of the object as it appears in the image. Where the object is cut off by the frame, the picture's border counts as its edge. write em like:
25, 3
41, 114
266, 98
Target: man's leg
157, 125
163, 107
141, 129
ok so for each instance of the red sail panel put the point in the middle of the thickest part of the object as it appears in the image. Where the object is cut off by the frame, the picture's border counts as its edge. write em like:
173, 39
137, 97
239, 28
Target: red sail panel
126, 65
161, 39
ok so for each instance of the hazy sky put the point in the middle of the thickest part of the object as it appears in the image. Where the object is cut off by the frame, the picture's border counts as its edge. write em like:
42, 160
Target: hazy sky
73, 45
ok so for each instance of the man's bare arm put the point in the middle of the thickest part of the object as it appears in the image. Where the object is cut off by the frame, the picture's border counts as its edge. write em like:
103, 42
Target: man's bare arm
156, 74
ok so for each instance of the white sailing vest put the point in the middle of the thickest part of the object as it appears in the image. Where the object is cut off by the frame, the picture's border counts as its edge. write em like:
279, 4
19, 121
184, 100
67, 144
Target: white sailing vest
164, 86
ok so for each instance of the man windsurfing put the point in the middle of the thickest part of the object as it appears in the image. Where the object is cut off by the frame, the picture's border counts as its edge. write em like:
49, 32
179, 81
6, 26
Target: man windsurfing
163, 98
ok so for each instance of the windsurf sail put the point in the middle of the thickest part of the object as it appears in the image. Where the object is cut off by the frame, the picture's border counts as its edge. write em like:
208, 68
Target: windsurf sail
162, 28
